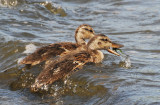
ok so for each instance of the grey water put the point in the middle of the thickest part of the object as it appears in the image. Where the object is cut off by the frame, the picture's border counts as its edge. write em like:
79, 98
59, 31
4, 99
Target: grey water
130, 80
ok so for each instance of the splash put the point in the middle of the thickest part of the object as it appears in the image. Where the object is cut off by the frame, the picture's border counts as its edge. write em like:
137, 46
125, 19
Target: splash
19, 60
126, 62
126, 59
30, 48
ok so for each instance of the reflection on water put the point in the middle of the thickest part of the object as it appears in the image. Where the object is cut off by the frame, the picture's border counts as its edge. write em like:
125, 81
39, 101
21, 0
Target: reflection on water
115, 81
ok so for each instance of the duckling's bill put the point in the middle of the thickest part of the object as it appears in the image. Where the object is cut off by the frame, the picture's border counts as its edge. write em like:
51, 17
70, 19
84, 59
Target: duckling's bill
113, 49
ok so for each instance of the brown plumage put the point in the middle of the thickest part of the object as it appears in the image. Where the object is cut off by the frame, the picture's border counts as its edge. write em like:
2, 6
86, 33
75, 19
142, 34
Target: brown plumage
63, 66
82, 32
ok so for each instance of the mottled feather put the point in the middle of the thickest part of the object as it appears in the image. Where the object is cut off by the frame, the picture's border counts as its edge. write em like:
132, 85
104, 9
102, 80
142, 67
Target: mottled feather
82, 32
61, 67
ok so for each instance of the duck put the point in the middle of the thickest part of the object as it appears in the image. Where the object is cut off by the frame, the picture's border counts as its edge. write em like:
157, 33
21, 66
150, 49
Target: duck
62, 67
83, 32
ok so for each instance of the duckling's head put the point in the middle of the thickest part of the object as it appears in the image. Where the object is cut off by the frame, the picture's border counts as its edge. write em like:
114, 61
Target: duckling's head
83, 32
102, 42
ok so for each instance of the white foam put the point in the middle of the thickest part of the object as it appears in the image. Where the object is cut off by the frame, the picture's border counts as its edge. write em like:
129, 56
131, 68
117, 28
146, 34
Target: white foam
19, 60
30, 48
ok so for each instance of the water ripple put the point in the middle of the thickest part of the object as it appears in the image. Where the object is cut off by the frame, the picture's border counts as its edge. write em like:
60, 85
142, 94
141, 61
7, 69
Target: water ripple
135, 24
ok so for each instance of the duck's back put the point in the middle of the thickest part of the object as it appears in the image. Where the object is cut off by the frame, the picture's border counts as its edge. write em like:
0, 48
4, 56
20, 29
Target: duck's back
61, 67
49, 51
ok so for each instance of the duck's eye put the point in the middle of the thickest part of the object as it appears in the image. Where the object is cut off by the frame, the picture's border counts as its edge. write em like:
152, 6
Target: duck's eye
88, 30
91, 30
104, 40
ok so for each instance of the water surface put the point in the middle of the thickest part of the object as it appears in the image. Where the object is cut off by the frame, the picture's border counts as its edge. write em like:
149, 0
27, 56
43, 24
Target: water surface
135, 24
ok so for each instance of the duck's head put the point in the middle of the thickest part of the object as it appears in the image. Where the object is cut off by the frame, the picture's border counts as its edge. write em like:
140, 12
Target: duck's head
83, 32
102, 42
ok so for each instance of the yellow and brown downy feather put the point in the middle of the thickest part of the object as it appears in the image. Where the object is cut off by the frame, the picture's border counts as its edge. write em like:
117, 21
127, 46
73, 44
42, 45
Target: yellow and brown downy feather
82, 32
63, 66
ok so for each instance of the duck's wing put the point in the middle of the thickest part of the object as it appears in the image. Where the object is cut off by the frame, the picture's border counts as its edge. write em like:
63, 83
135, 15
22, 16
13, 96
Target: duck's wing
47, 52
60, 68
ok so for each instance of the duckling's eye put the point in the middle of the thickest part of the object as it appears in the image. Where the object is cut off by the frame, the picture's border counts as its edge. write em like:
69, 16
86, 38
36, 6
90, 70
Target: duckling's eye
91, 30
88, 30
104, 40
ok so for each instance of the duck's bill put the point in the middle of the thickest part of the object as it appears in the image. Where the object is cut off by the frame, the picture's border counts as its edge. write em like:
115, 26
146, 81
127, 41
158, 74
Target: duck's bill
114, 48
113, 52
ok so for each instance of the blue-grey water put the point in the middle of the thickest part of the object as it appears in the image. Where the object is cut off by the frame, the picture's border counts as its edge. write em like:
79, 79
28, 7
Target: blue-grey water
133, 23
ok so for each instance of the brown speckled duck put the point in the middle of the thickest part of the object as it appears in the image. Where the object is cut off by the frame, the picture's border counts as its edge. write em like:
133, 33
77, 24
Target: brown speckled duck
63, 66
82, 32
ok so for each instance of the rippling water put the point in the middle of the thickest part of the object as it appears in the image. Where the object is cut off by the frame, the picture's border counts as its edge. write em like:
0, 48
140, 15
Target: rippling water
133, 23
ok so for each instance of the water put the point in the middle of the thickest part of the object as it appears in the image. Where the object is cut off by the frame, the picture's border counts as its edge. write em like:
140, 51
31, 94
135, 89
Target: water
135, 24
126, 62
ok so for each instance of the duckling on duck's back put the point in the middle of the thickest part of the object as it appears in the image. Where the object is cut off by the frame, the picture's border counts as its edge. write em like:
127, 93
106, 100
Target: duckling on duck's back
82, 32
61, 67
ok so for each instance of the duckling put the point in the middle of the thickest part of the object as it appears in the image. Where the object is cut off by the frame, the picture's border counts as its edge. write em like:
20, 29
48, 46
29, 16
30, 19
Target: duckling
65, 65
83, 32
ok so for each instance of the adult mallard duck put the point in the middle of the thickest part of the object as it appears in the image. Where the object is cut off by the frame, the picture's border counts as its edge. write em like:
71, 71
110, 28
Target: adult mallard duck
63, 66
82, 32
